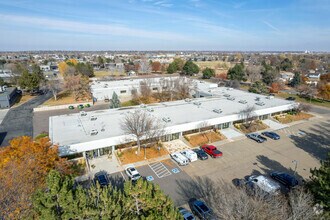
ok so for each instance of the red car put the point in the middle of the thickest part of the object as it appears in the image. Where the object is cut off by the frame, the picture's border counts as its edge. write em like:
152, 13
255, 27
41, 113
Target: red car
212, 151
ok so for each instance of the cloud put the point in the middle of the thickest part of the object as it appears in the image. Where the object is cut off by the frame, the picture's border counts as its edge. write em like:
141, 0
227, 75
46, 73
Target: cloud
87, 28
271, 26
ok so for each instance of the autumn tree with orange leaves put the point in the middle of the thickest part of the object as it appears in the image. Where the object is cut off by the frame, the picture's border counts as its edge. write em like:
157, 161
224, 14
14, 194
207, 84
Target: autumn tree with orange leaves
24, 165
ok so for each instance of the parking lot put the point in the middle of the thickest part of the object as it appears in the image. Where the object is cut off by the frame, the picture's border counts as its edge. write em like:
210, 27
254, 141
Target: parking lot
300, 148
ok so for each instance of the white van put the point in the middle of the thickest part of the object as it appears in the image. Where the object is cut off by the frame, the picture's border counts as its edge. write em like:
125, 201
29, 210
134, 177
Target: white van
179, 158
190, 155
266, 184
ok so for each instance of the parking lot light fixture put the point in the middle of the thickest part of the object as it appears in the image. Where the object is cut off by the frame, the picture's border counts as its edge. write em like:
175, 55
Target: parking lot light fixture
295, 167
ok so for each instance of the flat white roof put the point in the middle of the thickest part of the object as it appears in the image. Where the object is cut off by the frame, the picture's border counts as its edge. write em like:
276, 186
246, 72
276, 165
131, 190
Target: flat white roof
72, 129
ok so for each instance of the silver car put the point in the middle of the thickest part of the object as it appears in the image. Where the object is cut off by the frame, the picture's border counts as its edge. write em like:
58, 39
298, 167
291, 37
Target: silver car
265, 184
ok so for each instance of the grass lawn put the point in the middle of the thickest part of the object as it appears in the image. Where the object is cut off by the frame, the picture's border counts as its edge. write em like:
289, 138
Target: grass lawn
284, 119
127, 156
64, 98
102, 73
129, 103
204, 138
22, 99
255, 126
304, 100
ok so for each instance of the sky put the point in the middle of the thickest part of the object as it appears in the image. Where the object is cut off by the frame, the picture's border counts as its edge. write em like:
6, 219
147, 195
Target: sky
218, 25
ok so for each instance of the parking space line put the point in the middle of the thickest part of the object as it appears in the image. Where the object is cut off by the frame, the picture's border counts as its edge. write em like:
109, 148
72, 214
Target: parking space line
176, 164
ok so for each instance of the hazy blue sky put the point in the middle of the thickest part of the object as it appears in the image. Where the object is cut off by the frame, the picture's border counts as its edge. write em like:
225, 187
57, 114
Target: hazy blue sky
165, 25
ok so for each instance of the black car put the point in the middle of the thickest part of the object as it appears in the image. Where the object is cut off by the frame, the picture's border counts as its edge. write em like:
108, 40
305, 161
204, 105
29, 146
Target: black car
201, 154
291, 98
271, 135
245, 184
284, 178
101, 178
200, 209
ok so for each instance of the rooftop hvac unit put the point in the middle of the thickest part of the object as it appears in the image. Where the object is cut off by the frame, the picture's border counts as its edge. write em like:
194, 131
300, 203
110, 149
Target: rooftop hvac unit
94, 132
93, 118
197, 103
242, 101
217, 111
143, 106
167, 119
270, 97
229, 89
82, 113
231, 98
188, 100
150, 110
260, 103
226, 95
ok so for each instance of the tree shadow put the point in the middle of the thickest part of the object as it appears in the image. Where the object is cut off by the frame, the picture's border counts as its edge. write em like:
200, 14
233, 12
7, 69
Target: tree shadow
273, 165
117, 181
2, 138
315, 142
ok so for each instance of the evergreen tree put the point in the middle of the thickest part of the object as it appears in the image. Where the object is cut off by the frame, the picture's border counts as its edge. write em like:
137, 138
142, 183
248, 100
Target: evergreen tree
296, 81
208, 73
320, 184
237, 73
139, 200
115, 102
258, 87
171, 68
269, 74
190, 68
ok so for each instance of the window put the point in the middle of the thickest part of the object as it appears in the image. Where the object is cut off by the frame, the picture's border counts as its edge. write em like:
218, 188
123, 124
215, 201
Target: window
155, 89
225, 125
122, 91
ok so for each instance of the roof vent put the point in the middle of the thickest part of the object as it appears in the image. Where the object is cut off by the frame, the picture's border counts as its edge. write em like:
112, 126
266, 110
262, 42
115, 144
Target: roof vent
217, 111
82, 113
188, 100
226, 95
167, 119
150, 110
197, 103
143, 106
270, 97
242, 101
229, 89
94, 132
231, 98
93, 118
260, 103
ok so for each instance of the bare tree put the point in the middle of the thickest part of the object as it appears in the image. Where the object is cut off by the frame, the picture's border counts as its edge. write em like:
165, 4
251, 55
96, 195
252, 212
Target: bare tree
135, 94
248, 115
142, 126
253, 73
78, 85
167, 89
183, 87
203, 127
301, 107
145, 66
145, 89
54, 86
229, 202
233, 84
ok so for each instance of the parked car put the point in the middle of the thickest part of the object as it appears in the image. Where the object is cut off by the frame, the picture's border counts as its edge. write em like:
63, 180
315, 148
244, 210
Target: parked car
101, 178
201, 154
87, 105
200, 209
132, 173
179, 158
271, 135
265, 184
257, 137
186, 214
284, 178
81, 106
291, 98
242, 183
71, 107
212, 151
190, 155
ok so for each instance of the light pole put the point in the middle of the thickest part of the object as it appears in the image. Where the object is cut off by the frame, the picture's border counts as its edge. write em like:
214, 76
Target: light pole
295, 167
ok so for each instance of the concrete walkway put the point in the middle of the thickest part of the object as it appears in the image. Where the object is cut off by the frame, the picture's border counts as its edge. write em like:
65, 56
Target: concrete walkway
231, 133
274, 125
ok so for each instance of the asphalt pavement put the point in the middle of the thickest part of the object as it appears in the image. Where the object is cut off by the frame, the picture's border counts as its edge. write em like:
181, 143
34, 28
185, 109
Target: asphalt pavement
18, 121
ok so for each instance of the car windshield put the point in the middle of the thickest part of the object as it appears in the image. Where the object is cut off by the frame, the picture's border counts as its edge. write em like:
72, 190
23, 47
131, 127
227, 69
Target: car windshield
190, 217
136, 175
102, 179
204, 208
216, 152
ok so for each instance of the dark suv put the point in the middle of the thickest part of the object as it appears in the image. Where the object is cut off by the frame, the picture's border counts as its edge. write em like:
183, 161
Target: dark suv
101, 178
284, 178
200, 209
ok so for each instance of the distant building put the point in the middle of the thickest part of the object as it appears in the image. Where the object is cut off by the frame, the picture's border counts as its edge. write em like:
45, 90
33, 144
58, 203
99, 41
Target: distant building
45, 67
313, 78
7, 96
286, 76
